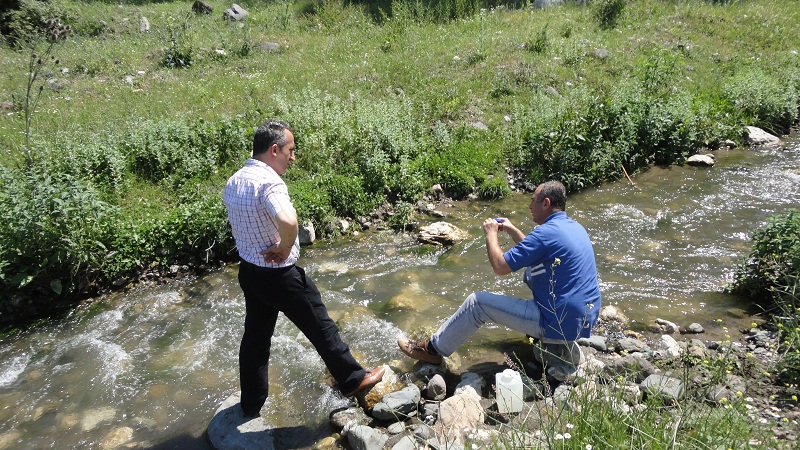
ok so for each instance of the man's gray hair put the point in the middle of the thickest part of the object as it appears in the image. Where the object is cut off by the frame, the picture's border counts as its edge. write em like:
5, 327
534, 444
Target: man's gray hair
272, 131
556, 192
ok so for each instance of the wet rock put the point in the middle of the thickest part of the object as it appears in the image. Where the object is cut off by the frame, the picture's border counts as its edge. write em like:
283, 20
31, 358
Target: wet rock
229, 429
327, 443
397, 405
441, 233
613, 314
341, 417
95, 417
388, 384
362, 437
436, 388
757, 136
117, 437
667, 327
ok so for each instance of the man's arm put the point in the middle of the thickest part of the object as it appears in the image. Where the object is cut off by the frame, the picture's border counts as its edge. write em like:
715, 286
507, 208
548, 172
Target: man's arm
493, 250
287, 230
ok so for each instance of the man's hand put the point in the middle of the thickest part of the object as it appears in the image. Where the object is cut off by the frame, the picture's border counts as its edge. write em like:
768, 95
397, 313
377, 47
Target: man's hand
492, 226
276, 254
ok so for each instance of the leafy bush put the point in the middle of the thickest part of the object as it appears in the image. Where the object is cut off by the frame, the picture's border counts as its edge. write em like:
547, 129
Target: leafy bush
174, 152
607, 13
348, 198
771, 276
764, 99
774, 261
22, 20
312, 203
493, 188
54, 234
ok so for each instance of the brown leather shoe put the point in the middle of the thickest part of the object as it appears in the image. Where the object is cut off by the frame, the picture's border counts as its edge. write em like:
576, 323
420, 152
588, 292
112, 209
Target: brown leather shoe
372, 378
418, 350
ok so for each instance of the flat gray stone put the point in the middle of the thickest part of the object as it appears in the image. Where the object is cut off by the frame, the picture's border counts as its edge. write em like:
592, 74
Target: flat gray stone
229, 429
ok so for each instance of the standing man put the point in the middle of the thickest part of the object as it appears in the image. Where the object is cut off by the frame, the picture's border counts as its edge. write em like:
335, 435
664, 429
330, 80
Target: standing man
264, 225
559, 269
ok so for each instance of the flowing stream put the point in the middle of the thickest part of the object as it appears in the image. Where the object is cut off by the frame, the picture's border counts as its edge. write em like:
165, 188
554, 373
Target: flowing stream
148, 367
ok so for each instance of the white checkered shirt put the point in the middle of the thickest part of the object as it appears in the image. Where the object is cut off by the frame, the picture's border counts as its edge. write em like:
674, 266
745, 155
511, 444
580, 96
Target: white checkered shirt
254, 196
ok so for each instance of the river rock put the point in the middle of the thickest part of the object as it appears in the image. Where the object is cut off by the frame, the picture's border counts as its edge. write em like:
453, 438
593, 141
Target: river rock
117, 437
362, 437
397, 405
441, 233
731, 387
388, 384
306, 233
597, 342
668, 388
665, 326
701, 160
757, 136
634, 366
613, 314
95, 417
436, 388
631, 345
229, 429
695, 328
459, 413
471, 380
668, 346
341, 417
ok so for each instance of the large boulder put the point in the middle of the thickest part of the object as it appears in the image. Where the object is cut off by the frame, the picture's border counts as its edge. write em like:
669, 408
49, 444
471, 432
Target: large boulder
757, 136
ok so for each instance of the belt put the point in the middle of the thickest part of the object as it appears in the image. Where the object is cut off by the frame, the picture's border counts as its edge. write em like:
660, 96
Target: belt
257, 268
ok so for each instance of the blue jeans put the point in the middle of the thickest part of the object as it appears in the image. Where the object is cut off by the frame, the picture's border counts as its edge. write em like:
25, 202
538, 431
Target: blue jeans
481, 307
268, 292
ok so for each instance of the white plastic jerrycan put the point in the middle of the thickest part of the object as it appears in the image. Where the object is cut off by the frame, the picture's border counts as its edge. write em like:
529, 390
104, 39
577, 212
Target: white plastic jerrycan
509, 391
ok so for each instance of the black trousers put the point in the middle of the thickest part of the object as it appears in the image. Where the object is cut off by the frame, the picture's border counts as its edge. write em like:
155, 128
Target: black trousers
268, 292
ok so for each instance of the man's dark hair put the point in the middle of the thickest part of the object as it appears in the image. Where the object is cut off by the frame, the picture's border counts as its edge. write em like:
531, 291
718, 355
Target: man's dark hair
557, 194
272, 131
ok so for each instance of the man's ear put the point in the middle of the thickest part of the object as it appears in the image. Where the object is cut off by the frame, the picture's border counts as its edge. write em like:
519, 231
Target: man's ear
273, 149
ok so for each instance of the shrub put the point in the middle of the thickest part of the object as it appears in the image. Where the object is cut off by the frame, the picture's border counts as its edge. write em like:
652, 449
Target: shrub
347, 196
174, 152
312, 203
54, 234
774, 260
22, 20
764, 99
493, 188
771, 275
607, 13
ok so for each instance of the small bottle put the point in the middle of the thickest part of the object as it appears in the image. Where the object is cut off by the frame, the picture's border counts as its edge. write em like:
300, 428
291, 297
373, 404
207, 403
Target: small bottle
509, 391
